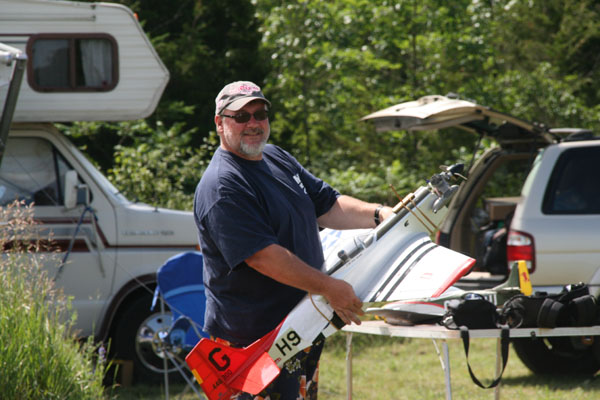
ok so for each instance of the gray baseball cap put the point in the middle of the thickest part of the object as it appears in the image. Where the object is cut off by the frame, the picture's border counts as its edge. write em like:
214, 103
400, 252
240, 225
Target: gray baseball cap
236, 95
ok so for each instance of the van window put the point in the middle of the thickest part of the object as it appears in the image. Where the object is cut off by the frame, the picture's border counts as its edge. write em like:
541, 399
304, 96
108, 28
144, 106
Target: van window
32, 170
61, 63
531, 176
573, 187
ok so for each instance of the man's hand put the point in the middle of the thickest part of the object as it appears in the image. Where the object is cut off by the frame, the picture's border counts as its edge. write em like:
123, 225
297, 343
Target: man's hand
385, 213
344, 302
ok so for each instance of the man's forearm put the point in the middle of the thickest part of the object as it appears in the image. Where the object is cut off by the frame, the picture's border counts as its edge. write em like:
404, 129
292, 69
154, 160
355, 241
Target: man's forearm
350, 213
280, 264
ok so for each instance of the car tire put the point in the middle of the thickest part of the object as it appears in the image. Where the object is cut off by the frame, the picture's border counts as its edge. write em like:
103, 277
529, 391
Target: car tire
556, 355
135, 339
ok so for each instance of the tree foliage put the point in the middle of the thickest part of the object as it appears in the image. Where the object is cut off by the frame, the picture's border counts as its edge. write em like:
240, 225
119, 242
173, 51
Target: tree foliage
333, 63
156, 165
205, 45
324, 65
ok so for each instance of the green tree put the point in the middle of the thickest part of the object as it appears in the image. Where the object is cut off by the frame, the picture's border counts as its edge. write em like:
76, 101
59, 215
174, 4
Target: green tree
546, 53
324, 65
334, 62
205, 45
156, 166
158, 170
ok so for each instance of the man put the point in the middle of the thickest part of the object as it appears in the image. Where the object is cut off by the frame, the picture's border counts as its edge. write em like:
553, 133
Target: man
258, 213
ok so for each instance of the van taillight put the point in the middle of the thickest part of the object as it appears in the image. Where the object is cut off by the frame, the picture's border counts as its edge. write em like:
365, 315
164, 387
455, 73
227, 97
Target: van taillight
443, 239
520, 246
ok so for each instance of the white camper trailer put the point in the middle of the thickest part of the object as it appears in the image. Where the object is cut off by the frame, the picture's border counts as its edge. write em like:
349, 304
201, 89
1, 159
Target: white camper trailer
87, 61
66, 61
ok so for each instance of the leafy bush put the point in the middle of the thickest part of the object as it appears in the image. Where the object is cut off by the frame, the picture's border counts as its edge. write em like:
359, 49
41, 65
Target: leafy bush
151, 163
39, 355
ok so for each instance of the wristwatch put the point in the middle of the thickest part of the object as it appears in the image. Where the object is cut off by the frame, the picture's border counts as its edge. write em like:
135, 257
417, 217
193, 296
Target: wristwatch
376, 215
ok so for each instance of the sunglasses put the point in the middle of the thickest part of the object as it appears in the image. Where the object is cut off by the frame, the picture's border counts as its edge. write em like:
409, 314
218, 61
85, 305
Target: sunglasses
243, 117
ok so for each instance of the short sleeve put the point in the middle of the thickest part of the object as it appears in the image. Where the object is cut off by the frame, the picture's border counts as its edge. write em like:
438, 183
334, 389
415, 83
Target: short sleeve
242, 228
321, 193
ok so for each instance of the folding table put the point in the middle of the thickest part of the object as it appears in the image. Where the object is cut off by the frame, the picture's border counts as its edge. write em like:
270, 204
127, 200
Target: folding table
438, 332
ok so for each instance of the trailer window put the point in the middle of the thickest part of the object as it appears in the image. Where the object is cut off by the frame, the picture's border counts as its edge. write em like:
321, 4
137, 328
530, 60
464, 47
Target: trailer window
61, 63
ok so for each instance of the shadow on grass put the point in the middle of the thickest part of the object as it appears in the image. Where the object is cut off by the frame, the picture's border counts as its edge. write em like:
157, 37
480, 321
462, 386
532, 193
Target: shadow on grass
562, 382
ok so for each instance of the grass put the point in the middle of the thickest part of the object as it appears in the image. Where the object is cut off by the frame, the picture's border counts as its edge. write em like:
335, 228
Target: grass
40, 357
397, 368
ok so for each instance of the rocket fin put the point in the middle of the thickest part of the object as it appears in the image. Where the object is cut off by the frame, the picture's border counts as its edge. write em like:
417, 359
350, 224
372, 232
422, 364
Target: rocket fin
222, 370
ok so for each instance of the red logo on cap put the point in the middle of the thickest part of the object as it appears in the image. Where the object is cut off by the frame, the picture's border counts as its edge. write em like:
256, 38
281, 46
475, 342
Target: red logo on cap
245, 89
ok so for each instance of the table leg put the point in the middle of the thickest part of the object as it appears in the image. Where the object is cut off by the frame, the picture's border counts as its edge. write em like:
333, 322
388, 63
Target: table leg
349, 365
498, 367
447, 370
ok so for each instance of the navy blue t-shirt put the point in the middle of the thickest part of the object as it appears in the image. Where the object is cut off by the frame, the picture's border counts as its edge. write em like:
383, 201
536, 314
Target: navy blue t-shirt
241, 207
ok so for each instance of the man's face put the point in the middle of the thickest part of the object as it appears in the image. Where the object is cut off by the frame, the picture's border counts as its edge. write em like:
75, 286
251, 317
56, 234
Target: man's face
247, 139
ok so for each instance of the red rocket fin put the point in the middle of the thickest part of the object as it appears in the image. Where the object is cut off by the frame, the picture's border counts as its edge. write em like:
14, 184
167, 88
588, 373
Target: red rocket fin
222, 371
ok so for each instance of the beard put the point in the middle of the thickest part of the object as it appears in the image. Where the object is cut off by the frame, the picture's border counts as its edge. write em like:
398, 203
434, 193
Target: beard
253, 150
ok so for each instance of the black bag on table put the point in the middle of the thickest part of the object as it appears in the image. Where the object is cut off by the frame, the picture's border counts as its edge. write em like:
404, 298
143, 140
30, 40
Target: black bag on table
473, 311
573, 306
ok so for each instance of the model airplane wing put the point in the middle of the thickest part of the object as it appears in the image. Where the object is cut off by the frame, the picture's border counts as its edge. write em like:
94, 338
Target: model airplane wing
408, 313
395, 260
418, 267
427, 309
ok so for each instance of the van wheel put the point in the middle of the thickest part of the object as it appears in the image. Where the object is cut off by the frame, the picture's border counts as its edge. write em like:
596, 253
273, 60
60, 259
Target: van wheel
556, 355
136, 339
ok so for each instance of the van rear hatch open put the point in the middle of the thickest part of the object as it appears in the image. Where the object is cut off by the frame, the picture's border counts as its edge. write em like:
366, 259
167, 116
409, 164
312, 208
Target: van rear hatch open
437, 112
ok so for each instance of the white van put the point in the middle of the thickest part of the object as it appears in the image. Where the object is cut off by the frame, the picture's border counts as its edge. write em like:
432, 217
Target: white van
65, 61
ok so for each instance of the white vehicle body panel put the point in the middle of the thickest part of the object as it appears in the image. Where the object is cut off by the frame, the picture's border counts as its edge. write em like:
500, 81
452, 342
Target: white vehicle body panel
127, 240
557, 250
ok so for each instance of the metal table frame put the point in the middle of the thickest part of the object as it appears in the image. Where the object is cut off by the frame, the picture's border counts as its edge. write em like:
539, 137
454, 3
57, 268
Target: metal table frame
437, 332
